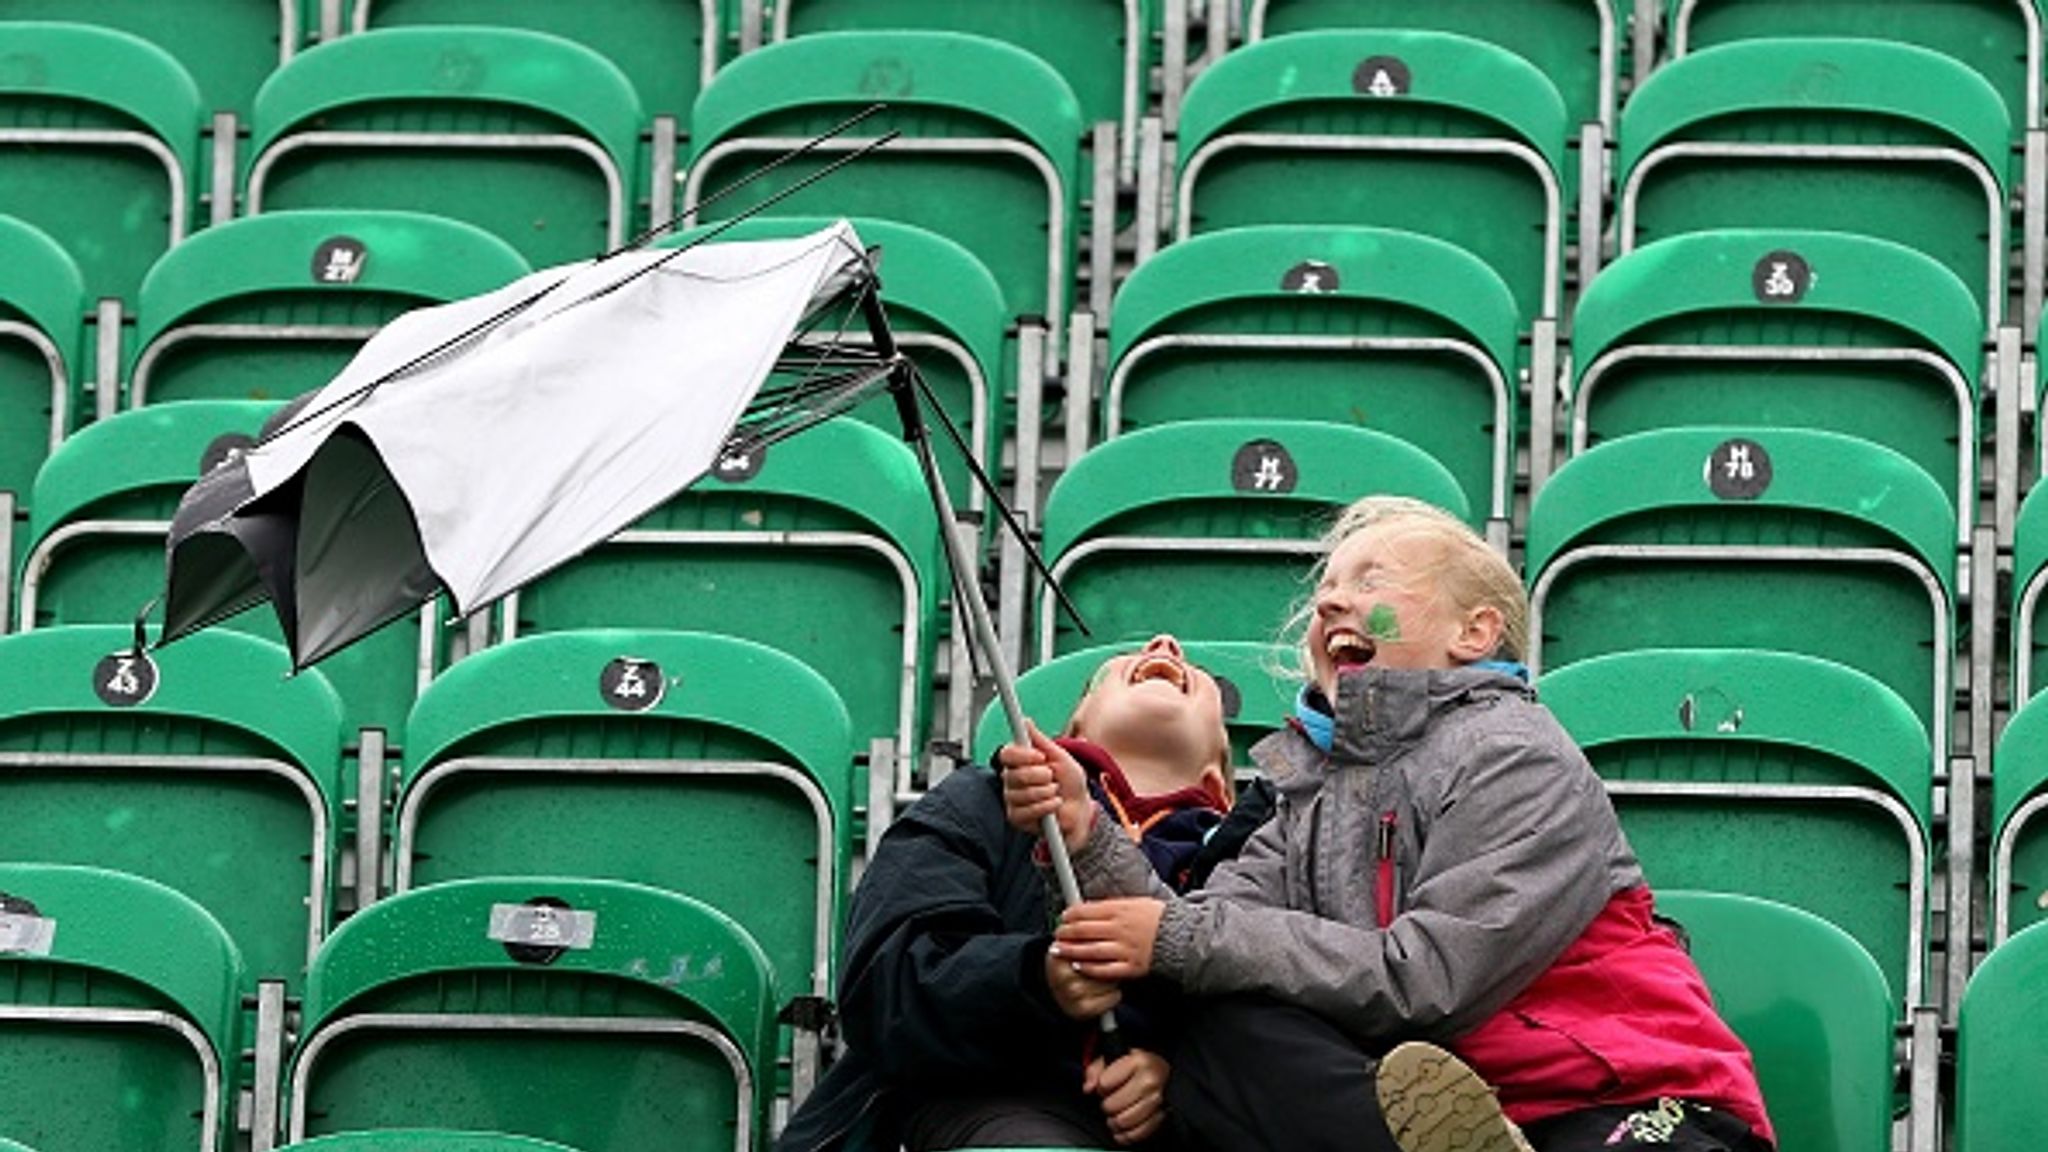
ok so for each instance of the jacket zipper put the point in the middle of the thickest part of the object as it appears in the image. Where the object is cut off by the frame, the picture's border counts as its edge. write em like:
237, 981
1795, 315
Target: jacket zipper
1383, 878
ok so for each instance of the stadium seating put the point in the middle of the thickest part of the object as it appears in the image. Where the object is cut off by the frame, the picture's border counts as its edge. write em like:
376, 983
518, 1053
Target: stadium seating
100, 146
1785, 329
1810, 1005
227, 48
2002, 1049
270, 306
122, 1007
202, 767
1998, 39
713, 767
1207, 528
1258, 693
989, 156
1822, 133
103, 505
1384, 128
528, 136
42, 306
828, 550
1730, 537
2029, 579
1576, 43
652, 41
945, 312
1390, 330
1769, 774
427, 1140
1103, 49
605, 1016
2019, 836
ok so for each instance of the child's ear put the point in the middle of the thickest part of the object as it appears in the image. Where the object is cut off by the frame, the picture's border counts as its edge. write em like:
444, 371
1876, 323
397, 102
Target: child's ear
1480, 636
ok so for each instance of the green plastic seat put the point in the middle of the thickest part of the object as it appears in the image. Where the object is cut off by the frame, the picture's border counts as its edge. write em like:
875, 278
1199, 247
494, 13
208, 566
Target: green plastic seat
989, 156
2019, 837
1822, 133
42, 311
947, 313
1775, 775
2029, 578
221, 784
651, 41
122, 1013
829, 552
1258, 692
1430, 132
719, 768
227, 48
267, 307
428, 1140
1390, 330
1785, 329
102, 506
99, 146
2001, 1048
1809, 1003
2000, 40
1578, 44
1734, 537
1103, 49
621, 1018
534, 138
1208, 528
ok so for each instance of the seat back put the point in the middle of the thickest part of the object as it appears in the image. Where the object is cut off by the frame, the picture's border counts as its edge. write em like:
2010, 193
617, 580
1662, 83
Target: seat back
42, 310
267, 307
1731, 537
1208, 528
228, 49
1395, 331
1255, 678
1861, 337
668, 49
1578, 44
823, 543
2000, 40
2029, 579
597, 1014
1769, 774
2019, 835
989, 157
699, 764
1384, 128
121, 1013
1819, 133
99, 144
103, 505
217, 773
528, 136
1810, 1005
2001, 1048
1103, 49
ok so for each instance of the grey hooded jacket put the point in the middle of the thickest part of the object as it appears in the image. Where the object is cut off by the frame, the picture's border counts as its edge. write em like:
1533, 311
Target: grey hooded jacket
1502, 843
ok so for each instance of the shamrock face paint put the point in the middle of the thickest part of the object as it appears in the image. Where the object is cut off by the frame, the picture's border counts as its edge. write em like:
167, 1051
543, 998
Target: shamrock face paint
1383, 624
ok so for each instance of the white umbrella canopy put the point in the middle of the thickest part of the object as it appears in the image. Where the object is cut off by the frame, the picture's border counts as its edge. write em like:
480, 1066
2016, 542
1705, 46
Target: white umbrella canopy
464, 452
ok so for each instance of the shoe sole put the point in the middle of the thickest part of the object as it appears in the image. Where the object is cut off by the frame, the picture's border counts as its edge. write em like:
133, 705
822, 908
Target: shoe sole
1433, 1102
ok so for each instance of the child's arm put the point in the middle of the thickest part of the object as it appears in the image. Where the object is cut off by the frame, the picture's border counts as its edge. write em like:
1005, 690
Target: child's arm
1514, 869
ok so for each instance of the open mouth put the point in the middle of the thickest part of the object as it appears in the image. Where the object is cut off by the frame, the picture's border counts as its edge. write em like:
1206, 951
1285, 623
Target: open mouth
1349, 650
1160, 668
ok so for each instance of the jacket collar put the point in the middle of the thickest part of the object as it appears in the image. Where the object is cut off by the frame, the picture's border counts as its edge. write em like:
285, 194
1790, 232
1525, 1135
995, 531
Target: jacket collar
1379, 713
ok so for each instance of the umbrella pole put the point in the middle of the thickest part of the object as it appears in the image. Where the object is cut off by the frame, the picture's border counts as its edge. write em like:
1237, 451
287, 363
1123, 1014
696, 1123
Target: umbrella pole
966, 592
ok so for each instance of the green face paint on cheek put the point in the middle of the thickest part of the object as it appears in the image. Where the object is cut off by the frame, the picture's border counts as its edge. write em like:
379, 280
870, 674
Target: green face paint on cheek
1382, 625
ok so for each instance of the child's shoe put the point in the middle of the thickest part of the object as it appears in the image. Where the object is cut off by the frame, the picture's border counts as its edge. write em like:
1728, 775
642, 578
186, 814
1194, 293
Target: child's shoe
1434, 1102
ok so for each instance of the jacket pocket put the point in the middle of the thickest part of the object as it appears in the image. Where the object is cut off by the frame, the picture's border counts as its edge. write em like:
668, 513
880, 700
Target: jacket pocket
1540, 1051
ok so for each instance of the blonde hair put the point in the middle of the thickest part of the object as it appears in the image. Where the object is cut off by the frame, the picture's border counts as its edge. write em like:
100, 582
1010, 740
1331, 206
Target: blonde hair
1468, 571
